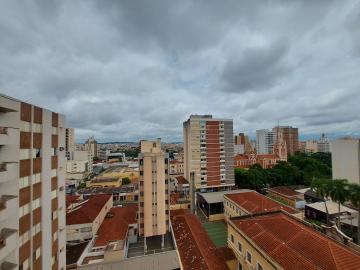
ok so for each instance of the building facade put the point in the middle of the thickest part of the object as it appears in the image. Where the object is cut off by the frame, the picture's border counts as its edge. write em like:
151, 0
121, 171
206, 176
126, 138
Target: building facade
69, 141
265, 140
154, 192
324, 144
290, 136
32, 161
346, 159
209, 151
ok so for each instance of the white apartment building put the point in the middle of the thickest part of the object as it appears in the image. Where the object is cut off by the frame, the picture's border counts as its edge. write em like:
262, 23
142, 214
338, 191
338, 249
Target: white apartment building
346, 159
323, 144
265, 140
32, 195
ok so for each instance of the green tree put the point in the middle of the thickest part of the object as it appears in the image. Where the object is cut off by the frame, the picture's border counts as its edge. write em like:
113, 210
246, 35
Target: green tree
125, 181
339, 193
354, 196
321, 187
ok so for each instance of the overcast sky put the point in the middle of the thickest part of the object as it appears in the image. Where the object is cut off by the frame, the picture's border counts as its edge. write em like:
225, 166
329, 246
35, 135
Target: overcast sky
126, 70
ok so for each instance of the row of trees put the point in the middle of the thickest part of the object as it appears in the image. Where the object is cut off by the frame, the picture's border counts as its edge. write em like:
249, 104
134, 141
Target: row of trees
340, 191
299, 170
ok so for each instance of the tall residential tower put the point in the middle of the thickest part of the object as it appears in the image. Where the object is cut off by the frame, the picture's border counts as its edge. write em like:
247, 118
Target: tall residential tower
32, 195
154, 192
209, 152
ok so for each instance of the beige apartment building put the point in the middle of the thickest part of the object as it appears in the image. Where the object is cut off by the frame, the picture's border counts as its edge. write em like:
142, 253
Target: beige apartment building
32, 195
346, 159
209, 151
154, 193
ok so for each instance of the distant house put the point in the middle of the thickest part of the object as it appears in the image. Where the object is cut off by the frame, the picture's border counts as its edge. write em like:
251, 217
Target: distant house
288, 196
317, 211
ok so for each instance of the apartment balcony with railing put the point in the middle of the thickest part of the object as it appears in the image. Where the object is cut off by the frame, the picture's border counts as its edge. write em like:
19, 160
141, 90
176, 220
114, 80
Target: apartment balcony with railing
8, 266
8, 206
8, 171
8, 242
8, 135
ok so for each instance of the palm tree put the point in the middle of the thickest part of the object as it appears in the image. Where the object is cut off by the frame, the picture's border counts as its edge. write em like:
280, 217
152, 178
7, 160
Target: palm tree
339, 193
321, 188
354, 197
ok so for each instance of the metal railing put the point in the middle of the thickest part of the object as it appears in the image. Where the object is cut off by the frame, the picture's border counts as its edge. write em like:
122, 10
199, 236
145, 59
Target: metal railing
3, 130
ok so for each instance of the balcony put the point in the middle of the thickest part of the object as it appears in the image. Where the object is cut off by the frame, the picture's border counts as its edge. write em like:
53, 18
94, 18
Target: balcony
8, 242
8, 136
8, 206
8, 266
7, 171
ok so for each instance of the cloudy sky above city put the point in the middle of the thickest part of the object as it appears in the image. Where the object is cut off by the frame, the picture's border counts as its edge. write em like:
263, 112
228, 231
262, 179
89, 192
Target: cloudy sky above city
126, 70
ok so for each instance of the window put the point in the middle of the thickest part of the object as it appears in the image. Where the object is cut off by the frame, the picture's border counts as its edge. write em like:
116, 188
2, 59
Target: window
259, 267
24, 265
248, 256
36, 254
36, 203
24, 182
86, 229
24, 210
36, 178
53, 194
232, 238
24, 153
36, 228
239, 247
24, 238
53, 173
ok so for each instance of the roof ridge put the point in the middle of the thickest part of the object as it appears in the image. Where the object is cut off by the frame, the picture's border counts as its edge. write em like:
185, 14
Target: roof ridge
332, 253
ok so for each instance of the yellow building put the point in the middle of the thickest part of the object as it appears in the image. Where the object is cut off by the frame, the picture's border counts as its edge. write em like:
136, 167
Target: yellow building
278, 240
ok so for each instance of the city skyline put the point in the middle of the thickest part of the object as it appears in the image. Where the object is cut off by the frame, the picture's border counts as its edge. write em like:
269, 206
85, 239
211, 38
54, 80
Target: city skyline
143, 78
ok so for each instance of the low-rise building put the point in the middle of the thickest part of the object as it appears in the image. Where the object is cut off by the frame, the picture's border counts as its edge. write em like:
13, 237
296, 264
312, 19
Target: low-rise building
287, 196
251, 202
277, 240
176, 167
110, 244
84, 220
317, 211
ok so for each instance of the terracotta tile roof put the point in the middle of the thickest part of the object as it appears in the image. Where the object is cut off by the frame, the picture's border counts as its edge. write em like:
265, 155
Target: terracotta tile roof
181, 180
197, 252
295, 246
115, 227
88, 210
254, 202
285, 191
70, 199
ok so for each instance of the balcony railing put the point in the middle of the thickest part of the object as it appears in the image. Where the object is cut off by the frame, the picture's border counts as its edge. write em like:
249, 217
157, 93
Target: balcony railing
3, 130
2, 167
8, 266
4, 234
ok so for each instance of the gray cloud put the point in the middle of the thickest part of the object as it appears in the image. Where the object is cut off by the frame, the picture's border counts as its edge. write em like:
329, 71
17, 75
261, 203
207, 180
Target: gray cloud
255, 69
126, 70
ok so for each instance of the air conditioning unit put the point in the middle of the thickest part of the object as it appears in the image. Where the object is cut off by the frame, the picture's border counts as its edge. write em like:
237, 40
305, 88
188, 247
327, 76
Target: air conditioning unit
61, 148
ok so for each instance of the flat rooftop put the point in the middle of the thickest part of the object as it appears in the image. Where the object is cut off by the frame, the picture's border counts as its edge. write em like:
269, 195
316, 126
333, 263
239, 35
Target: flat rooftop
294, 245
218, 197
153, 245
